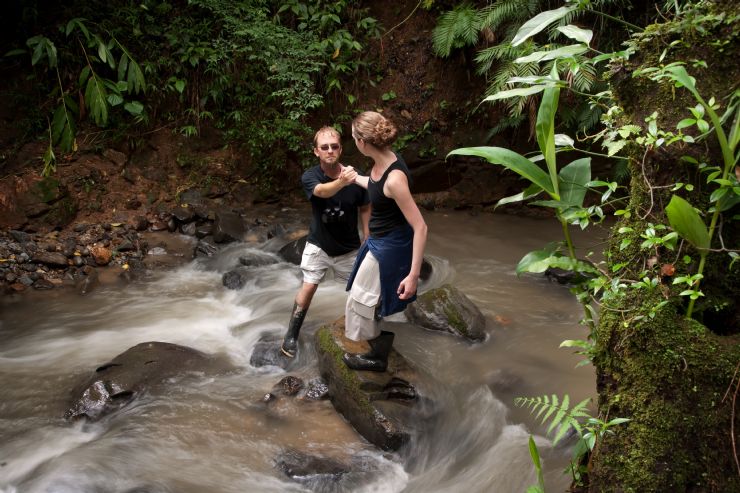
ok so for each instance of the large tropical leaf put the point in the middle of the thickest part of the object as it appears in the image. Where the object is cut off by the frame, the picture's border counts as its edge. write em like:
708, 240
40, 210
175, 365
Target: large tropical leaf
545, 130
510, 160
577, 33
543, 56
540, 22
520, 91
573, 181
687, 223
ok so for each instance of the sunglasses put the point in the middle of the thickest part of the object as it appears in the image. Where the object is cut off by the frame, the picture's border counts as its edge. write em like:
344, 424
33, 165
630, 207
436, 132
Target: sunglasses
334, 147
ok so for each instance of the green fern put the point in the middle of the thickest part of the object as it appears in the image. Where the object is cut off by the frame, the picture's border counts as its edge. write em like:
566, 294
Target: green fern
457, 28
557, 412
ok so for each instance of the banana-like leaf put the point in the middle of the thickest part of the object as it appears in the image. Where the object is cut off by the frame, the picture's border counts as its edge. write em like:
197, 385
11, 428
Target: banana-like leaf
529, 192
543, 56
687, 223
540, 22
573, 181
97, 99
63, 129
510, 160
518, 92
577, 33
545, 130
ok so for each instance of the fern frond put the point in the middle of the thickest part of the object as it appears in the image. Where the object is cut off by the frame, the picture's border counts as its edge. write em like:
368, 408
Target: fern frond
556, 412
507, 11
456, 28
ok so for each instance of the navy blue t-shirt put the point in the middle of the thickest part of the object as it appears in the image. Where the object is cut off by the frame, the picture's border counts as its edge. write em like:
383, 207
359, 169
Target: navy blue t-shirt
333, 220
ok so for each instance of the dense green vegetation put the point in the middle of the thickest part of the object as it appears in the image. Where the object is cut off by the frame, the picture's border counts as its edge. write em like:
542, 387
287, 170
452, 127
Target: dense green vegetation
660, 371
254, 69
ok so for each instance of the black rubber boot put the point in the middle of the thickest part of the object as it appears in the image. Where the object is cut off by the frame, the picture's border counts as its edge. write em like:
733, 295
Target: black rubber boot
374, 360
290, 341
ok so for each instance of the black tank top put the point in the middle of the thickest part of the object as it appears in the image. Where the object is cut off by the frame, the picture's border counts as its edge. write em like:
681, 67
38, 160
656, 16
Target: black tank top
385, 215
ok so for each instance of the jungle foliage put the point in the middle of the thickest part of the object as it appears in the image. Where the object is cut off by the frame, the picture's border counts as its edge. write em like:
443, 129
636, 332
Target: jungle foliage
254, 68
661, 349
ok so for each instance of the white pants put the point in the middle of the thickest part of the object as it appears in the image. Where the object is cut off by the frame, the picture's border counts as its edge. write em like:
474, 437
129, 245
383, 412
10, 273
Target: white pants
315, 262
360, 321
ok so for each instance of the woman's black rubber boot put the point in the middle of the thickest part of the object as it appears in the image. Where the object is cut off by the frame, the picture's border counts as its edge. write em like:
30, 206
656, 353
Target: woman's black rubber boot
374, 360
290, 341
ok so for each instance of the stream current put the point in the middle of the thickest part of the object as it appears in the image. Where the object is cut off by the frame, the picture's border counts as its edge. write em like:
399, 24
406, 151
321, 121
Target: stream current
214, 434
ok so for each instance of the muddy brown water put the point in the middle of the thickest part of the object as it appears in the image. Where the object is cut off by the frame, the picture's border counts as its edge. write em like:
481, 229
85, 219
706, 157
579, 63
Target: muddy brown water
213, 433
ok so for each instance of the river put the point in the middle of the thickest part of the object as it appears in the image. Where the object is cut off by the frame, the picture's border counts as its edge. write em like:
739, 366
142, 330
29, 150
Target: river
214, 434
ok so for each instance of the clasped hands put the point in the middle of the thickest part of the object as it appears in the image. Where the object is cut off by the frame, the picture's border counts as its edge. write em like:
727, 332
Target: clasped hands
348, 175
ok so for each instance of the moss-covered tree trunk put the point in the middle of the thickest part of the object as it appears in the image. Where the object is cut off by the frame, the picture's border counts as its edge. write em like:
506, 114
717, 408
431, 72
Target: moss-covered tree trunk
675, 378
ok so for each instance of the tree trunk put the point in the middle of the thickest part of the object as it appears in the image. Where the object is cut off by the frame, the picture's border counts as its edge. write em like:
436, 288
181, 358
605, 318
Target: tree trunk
675, 378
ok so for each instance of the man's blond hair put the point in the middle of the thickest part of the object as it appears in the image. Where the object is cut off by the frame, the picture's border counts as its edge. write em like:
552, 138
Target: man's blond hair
326, 130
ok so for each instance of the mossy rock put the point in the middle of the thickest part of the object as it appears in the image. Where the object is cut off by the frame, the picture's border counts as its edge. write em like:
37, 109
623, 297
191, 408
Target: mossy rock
447, 309
384, 407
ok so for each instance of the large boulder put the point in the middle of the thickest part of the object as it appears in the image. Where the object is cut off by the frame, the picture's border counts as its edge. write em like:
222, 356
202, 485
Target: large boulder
118, 382
447, 309
384, 407
293, 251
228, 227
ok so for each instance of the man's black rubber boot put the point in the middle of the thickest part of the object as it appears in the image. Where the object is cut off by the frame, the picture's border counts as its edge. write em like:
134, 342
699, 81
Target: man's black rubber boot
290, 341
374, 360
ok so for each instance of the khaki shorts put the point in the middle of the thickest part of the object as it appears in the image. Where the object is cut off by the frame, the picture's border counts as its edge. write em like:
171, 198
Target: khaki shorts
315, 262
361, 321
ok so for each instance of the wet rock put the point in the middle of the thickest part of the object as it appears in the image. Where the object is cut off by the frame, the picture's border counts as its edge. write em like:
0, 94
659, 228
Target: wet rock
54, 259
289, 385
184, 214
205, 248
233, 280
317, 390
78, 261
447, 309
188, 229
43, 284
267, 353
228, 227
87, 281
382, 406
118, 382
125, 246
293, 251
26, 280
158, 225
257, 259
312, 471
203, 230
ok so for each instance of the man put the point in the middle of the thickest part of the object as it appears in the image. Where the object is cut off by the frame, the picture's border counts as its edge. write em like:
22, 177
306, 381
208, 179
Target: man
333, 239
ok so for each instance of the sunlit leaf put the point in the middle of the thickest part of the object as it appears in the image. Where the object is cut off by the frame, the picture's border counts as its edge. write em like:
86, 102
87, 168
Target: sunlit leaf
518, 92
577, 33
540, 22
562, 52
510, 160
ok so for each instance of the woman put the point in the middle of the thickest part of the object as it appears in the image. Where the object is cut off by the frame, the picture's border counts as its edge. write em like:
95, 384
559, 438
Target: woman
386, 272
